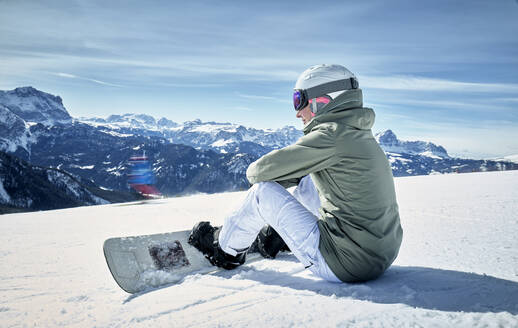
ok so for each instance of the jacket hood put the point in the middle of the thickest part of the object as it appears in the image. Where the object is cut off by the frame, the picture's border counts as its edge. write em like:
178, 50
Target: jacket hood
349, 99
345, 109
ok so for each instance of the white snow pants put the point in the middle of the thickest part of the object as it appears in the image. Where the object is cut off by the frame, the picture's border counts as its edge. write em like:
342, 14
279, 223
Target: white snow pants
294, 217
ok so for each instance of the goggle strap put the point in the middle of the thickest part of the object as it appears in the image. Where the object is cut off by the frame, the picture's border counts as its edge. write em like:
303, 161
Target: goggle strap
333, 86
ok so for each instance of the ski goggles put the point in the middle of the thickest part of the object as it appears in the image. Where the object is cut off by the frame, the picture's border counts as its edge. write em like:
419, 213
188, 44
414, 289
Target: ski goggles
301, 97
299, 100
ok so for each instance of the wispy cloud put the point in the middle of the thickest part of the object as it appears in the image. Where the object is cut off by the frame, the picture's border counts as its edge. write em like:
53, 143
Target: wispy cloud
72, 76
428, 84
243, 108
463, 105
190, 85
257, 97
507, 99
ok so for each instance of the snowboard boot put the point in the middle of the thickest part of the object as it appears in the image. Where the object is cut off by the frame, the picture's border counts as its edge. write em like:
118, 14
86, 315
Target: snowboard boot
269, 243
204, 237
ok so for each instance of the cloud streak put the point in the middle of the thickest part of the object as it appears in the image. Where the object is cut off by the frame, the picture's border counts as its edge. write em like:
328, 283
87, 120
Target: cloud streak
417, 83
256, 97
243, 108
466, 106
72, 76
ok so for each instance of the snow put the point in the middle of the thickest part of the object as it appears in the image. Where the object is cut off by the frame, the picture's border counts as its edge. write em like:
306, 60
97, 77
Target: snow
117, 134
17, 136
429, 154
214, 128
394, 157
458, 266
4, 196
221, 143
84, 167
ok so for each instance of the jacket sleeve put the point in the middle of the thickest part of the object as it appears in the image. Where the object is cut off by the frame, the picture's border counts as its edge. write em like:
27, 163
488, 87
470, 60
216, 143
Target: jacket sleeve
312, 152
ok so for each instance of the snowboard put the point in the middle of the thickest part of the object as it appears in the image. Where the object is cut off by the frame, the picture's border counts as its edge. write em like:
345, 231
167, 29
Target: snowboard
146, 262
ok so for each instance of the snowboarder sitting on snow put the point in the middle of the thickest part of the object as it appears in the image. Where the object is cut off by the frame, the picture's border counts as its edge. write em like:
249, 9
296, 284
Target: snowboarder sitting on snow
342, 220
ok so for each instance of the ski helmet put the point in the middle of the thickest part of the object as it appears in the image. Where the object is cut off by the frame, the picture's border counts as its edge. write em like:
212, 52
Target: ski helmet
320, 84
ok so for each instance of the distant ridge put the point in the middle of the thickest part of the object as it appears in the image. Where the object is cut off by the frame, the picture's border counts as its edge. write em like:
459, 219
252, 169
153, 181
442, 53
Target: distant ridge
390, 143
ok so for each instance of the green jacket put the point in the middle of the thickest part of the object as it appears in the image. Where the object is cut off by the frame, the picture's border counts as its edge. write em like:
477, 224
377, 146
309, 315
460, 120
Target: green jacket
360, 232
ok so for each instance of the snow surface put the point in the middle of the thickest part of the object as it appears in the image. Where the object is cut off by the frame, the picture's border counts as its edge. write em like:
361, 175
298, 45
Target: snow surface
458, 266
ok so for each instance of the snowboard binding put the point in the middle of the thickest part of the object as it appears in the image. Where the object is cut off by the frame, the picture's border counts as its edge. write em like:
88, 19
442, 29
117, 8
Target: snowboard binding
269, 243
204, 237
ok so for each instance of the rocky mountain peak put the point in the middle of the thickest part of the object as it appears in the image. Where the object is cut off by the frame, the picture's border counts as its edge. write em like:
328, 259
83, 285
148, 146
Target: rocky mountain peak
390, 143
387, 137
166, 123
25, 91
35, 106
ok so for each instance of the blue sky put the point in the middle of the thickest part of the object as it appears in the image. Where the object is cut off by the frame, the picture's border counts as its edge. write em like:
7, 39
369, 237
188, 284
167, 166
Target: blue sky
442, 71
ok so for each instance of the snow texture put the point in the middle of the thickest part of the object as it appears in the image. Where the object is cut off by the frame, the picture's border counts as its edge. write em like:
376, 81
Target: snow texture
458, 266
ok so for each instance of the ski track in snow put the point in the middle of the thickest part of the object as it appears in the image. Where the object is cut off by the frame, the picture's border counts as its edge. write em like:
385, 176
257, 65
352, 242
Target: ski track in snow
458, 266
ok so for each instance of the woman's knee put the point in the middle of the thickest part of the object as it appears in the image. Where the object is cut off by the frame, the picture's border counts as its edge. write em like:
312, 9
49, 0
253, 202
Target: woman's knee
263, 186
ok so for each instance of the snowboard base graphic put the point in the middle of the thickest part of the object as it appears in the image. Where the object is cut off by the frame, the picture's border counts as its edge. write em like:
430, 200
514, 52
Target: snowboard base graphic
149, 261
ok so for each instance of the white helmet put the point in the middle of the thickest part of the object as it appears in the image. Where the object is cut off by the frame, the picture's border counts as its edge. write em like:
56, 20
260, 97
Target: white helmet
328, 81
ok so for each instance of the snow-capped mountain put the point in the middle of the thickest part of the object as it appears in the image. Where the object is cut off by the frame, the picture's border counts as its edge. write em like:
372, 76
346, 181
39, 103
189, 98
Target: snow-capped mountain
133, 122
35, 106
221, 137
20, 109
391, 144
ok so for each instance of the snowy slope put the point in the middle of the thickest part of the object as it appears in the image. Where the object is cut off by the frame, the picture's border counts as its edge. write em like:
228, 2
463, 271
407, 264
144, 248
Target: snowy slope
15, 131
458, 266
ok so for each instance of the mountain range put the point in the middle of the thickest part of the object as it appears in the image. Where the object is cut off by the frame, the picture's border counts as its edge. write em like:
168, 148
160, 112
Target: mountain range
221, 137
188, 157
